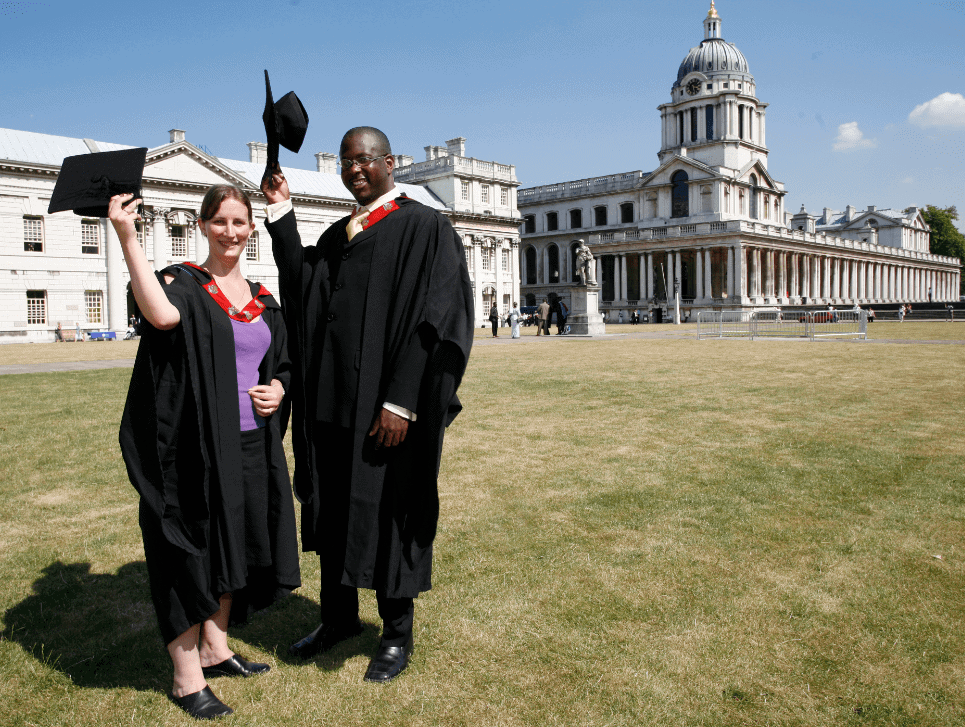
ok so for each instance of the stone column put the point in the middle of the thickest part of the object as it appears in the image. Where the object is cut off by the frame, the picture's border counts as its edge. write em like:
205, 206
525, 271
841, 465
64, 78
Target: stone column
498, 272
546, 265
201, 243
641, 278
481, 315
708, 276
623, 278
668, 277
599, 270
699, 275
161, 244
678, 273
729, 283
116, 293
514, 261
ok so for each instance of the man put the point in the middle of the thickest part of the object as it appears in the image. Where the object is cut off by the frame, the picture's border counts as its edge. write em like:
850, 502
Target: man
380, 318
562, 311
543, 314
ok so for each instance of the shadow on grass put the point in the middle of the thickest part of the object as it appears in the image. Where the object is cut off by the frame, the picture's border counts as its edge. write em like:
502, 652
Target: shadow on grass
99, 629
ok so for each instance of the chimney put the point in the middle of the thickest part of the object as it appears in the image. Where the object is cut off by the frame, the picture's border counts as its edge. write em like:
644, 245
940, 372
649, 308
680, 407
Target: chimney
457, 146
849, 212
176, 135
258, 152
828, 212
872, 208
325, 162
403, 160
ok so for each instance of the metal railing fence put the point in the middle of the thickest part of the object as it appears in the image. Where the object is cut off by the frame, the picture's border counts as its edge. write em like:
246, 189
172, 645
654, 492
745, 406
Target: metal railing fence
783, 324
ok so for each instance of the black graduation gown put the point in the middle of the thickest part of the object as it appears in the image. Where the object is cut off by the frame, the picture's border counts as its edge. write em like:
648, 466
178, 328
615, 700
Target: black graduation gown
418, 290
181, 441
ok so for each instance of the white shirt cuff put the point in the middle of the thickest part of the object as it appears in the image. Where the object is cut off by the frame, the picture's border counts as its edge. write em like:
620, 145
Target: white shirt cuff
278, 210
401, 411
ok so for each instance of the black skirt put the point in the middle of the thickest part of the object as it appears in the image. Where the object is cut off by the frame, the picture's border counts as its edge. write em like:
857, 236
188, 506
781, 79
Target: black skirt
251, 553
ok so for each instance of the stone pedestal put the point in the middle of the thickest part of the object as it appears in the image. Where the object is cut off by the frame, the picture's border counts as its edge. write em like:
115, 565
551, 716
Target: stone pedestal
585, 318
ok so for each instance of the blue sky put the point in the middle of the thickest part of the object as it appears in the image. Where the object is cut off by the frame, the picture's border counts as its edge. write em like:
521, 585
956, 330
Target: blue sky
563, 90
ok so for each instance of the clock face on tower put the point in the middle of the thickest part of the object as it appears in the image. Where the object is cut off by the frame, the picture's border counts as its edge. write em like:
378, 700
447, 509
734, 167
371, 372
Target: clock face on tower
693, 88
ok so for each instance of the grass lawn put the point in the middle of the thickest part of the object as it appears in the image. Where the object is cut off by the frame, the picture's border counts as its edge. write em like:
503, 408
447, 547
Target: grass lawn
634, 531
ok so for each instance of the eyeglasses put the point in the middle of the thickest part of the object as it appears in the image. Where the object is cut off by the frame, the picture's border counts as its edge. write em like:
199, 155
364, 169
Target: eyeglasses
347, 164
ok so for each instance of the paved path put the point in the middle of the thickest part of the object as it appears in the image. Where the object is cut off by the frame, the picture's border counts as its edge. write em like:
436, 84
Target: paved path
661, 334
40, 368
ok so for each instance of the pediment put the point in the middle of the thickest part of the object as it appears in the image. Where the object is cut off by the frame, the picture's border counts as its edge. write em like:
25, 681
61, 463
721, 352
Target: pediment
182, 162
862, 221
696, 171
755, 167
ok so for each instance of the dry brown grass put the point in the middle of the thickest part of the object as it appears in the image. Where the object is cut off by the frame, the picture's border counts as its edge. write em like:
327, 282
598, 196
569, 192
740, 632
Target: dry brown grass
633, 531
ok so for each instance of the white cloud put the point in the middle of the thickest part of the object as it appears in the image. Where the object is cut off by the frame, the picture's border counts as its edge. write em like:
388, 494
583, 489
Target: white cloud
946, 109
850, 137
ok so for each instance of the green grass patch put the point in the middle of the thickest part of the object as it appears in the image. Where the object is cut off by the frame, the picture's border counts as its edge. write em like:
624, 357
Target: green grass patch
633, 532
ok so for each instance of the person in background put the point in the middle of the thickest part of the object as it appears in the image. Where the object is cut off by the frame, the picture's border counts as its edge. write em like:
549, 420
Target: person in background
513, 319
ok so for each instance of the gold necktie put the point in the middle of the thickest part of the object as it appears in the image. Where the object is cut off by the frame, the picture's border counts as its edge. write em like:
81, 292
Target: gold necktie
355, 224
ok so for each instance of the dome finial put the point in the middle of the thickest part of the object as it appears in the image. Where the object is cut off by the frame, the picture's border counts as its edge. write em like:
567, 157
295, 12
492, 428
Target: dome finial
713, 11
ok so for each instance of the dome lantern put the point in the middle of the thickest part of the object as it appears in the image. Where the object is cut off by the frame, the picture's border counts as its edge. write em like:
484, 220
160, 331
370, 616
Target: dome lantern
712, 23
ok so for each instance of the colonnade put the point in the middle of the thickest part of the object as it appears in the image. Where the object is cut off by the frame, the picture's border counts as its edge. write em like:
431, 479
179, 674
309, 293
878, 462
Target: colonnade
743, 274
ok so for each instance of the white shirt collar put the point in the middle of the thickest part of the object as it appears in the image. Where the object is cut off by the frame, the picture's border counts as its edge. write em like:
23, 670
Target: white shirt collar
387, 197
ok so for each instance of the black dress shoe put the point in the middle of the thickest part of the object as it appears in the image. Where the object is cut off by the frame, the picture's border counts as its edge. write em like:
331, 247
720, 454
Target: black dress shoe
203, 704
236, 666
388, 663
324, 638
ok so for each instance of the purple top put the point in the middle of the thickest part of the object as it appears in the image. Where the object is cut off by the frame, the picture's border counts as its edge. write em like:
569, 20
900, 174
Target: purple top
251, 345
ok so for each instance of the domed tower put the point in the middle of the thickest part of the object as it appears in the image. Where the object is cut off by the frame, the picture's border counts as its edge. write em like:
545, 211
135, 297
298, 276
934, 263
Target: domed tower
714, 115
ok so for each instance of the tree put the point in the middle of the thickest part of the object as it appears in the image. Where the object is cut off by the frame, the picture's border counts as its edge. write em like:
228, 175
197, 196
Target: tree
945, 237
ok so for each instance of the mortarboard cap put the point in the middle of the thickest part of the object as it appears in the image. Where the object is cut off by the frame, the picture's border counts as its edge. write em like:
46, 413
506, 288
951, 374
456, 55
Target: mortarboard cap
87, 182
285, 123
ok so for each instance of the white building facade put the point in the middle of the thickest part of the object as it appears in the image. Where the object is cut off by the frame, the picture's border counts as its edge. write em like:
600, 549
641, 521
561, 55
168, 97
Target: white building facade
711, 218
68, 270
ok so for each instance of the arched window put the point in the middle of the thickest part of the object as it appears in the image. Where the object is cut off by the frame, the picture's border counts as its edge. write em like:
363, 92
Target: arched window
553, 253
531, 299
531, 268
574, 274
680, 196
576, 219
753, 196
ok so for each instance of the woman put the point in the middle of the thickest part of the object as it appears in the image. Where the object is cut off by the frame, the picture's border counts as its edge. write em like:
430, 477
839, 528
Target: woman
201, 438
514, 316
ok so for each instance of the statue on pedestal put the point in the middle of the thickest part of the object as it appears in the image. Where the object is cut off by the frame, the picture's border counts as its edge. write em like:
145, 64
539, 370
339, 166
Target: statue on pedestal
585, 264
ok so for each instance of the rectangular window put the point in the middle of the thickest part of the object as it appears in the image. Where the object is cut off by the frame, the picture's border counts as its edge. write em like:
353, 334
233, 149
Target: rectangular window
576, 219
693, 124
485, 194
626, 212
552, 221
709, 113
465, 191
529, 222
505, 261
90, 238
504, 197
599, 216
469, 258
33, 234
486, 260
36, 307
141, 234
251, 249
740, 122
179, 241
94, 302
